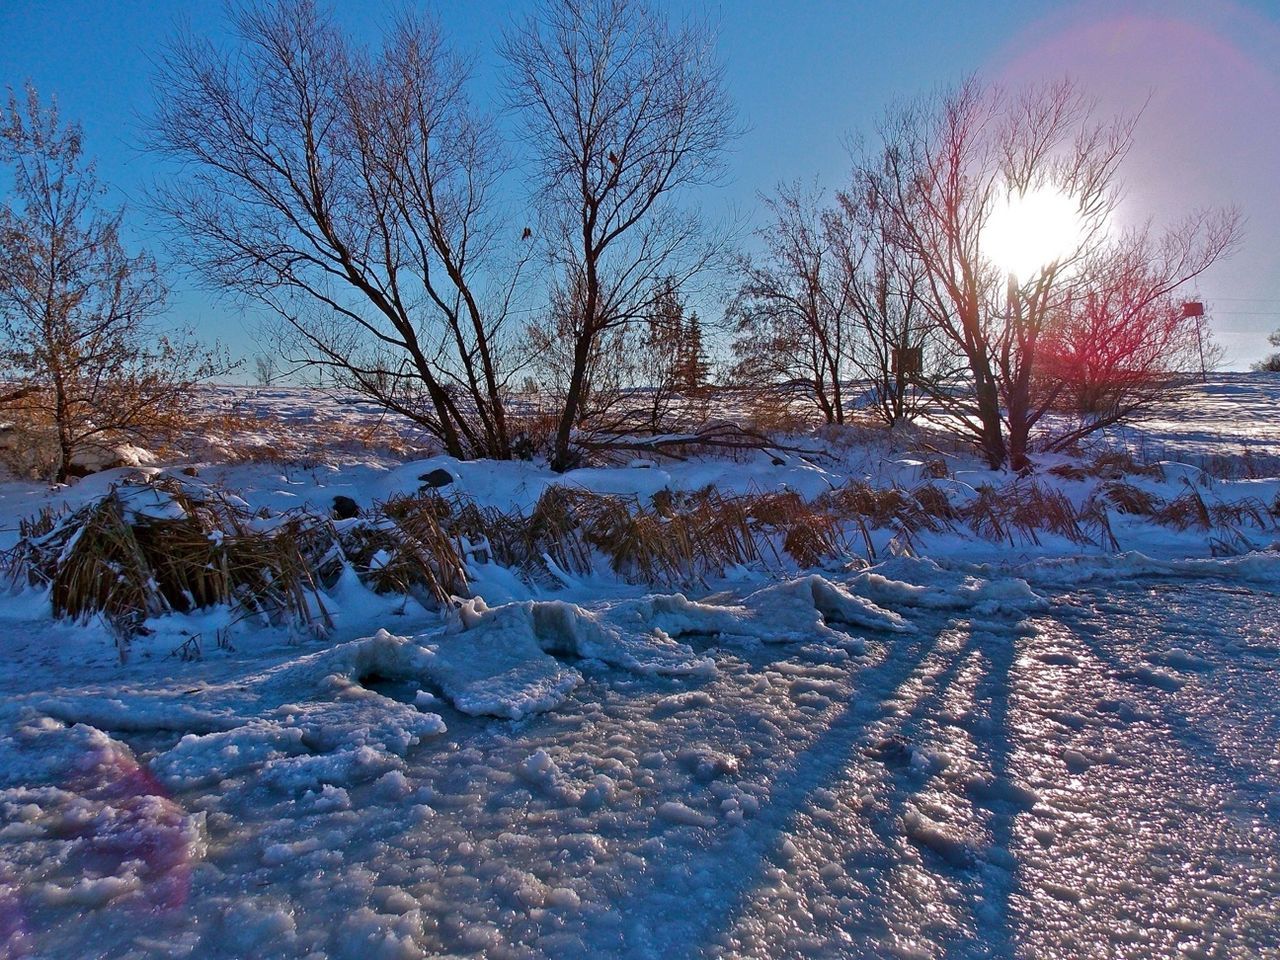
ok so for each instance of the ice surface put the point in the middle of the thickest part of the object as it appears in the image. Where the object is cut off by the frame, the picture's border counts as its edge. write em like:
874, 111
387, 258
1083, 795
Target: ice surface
1043, 751
947, 789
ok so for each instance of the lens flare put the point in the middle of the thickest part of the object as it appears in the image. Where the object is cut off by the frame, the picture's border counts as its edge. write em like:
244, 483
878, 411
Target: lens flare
1029, 231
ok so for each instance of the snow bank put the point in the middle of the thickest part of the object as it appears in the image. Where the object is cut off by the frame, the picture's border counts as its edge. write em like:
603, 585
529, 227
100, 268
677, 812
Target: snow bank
926, 584
1258, 566
501, 660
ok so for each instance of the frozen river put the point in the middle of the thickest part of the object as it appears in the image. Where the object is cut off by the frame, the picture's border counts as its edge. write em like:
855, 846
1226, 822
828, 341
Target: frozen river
1090, 773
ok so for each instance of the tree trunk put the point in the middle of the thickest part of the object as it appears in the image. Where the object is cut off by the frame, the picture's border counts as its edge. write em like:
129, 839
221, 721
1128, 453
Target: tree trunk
62, 420
561, 457
992, 435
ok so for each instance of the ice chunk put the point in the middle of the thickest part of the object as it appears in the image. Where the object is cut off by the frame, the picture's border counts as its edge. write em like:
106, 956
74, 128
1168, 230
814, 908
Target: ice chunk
804, 609
496, 666
498, 660
677, 812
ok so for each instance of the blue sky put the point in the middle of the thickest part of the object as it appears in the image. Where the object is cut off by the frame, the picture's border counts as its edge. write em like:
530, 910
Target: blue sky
805, 77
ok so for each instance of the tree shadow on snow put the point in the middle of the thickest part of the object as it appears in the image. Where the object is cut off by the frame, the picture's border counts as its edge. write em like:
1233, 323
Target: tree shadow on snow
865, 734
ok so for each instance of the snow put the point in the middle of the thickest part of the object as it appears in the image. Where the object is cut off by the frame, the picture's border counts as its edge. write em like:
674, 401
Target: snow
967, 749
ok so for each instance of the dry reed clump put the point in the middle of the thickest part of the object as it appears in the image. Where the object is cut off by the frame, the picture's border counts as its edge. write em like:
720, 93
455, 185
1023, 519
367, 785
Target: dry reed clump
1118, 464
174, 545
1096, 521
986, 515
1186, 511
558, 529
1128, 498
1069, 471
1249, 464
408, 547
934, 501
1020, 511
904, 513
925, 509
935, 468
1237, 513
809, 533
1037, 507
1190, 510
677, 539
146, 549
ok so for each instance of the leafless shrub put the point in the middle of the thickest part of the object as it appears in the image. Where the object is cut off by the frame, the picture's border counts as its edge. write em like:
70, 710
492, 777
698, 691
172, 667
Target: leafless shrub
84, 367
768, 413
946, 164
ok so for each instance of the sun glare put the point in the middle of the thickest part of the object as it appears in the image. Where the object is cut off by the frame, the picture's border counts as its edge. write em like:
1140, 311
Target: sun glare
1029, 231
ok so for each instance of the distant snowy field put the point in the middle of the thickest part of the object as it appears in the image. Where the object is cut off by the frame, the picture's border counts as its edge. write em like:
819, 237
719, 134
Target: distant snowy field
1012, 749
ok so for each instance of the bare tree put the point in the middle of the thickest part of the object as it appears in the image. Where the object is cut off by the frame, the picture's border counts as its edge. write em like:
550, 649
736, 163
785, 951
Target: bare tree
1123, 340
264, 369
1270, 364
75, 336
792, 308
621, 110
947, 164
829, 300
894, 348
354, 192
643, 377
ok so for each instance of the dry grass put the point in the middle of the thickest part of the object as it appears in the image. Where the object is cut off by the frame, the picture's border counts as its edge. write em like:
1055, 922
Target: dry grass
1186, 511
1249, 464
1236, 513
196, 548
114, 558
1128, 498
928, 509
677, 539
934, 501
1095, 519
240, 437
809, 532
1069, 471
405, 548
1118, 464
1020, 511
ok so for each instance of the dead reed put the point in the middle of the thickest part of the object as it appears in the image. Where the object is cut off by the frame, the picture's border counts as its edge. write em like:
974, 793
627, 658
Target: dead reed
146, 549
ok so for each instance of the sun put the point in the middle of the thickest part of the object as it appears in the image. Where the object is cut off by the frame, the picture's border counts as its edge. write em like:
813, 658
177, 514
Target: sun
1028, 231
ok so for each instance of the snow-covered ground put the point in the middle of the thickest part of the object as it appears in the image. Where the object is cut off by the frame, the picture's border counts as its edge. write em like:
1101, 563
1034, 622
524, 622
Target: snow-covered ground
991, 749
